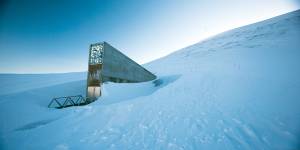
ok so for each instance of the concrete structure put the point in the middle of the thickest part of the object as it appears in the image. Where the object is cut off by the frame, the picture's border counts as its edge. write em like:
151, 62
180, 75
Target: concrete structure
106, 63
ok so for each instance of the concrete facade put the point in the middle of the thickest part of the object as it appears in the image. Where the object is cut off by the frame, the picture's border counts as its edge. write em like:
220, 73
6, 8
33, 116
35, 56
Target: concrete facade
106, 63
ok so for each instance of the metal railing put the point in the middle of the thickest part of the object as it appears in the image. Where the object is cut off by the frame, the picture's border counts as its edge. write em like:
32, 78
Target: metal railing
67, 101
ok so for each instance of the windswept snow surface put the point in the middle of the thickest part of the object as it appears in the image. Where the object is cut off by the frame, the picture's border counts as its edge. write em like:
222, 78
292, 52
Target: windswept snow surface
237, 90
25, 82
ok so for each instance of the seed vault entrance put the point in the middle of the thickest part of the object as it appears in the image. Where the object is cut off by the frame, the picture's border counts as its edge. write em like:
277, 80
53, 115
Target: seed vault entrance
94, 79
106, 63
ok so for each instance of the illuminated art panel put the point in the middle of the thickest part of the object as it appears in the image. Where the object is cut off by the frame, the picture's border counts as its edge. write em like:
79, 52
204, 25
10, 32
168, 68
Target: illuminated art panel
96, 54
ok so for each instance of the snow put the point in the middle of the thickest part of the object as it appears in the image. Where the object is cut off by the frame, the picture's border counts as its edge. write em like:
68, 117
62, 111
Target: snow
236, 90
24, 82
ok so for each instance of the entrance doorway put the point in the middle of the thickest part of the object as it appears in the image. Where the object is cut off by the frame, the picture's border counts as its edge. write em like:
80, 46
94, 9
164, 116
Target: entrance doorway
94, 91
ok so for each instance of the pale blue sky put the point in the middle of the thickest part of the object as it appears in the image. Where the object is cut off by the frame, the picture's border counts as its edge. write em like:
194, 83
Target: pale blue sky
42, 36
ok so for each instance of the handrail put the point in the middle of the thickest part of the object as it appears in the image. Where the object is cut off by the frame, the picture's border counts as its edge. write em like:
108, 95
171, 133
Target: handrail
67, 101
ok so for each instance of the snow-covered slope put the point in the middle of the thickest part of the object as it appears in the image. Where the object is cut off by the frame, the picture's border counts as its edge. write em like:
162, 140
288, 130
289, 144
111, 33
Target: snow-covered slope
13, 83
237, 90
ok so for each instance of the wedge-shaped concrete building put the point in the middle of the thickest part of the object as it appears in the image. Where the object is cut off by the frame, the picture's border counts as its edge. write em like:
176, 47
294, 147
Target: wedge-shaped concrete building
106, 63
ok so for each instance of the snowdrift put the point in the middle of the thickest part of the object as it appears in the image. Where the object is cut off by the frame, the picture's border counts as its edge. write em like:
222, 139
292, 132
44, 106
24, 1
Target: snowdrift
236, 90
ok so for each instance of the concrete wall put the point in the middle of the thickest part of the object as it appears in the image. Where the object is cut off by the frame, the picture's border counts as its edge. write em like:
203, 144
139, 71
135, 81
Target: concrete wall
118, 66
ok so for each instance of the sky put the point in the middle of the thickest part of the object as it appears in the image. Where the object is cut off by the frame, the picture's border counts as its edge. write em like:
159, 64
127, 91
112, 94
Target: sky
53, 36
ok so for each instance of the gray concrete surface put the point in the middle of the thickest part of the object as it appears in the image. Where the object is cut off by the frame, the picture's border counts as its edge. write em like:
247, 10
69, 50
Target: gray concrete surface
117, 67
